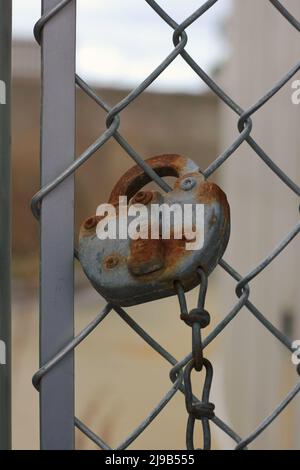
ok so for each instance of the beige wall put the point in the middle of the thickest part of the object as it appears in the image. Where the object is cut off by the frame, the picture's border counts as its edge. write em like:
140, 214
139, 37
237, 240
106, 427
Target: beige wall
257, 369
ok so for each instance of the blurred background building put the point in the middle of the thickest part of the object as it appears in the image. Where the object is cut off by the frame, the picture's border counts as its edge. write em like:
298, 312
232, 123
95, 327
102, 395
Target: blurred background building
258, 369
248, 46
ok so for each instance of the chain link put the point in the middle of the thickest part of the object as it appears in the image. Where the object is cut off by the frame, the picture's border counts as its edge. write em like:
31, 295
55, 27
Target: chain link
198, 319
203, 410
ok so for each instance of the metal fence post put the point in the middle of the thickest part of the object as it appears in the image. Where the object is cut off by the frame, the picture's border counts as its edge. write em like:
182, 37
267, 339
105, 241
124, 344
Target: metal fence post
57, 226
5, 224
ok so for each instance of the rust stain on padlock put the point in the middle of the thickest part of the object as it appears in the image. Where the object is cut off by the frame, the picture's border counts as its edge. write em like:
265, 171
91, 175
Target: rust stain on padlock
175, 251
135, 178
210, 192
89, 226
146, 257
111, 261
91, 223
142, 197
136, 271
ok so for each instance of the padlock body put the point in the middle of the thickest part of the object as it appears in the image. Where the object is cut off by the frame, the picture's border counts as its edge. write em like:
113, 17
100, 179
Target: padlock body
127, 272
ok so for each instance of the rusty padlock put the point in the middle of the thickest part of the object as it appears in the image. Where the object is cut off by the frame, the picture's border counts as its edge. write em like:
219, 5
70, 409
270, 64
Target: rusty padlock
129, 272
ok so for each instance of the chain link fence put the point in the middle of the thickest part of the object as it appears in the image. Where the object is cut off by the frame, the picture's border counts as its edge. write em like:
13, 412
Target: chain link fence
55, 378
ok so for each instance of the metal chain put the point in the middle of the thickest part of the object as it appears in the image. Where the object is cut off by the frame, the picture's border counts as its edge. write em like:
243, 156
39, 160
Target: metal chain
203, 410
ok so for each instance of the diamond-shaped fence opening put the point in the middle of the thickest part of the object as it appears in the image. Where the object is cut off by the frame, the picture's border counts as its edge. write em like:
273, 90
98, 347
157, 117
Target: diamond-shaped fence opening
56, 29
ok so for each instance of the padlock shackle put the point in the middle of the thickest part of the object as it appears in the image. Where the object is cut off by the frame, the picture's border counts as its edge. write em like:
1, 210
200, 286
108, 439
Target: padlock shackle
164, 165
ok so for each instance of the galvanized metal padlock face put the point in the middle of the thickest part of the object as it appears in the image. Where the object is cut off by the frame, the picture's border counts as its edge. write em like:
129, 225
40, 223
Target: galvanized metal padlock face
129, 272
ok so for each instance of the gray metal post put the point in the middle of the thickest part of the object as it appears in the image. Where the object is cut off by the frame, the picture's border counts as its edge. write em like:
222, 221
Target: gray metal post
57, 226
5, 224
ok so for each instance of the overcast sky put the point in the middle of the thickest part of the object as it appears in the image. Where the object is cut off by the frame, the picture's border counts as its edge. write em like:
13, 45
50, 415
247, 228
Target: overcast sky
121, 41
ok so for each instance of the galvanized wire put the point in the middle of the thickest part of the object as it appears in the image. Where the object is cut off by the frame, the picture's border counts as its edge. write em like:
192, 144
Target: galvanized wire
180, 373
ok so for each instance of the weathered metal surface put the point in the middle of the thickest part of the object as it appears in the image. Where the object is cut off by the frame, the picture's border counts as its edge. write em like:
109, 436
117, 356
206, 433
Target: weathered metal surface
164, 165
129, 272
146, 256
57, 221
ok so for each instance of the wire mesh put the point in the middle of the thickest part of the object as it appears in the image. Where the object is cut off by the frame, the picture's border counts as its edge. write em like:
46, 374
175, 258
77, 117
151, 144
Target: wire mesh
244, 124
